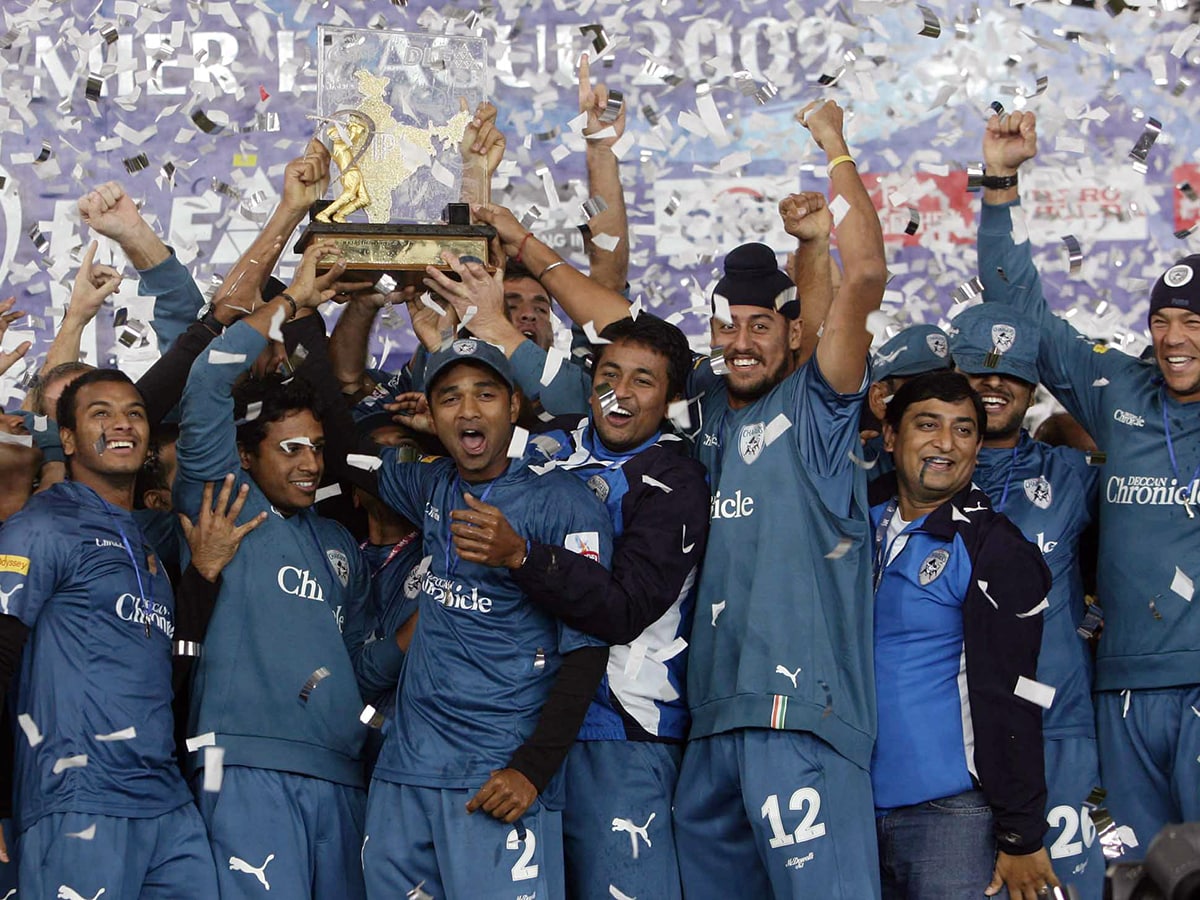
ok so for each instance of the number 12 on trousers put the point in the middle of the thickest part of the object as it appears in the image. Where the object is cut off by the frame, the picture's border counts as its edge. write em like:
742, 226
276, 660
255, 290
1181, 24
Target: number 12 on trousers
806, 799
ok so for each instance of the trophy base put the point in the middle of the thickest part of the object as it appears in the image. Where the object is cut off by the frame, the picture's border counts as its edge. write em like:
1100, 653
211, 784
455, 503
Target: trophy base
399, 249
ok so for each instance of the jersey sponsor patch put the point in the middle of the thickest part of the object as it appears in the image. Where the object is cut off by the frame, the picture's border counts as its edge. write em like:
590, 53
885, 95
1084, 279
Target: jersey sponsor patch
933, 566
341, 565
17, 564
585, 543
751, 441
1039, 492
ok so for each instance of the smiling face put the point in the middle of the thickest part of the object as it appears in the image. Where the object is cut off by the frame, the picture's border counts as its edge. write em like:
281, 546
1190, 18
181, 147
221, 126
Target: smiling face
639, 379
288, 463
760, 351
111, 435
1006, 400
1176, 335
528, 307
473, 414
934, 449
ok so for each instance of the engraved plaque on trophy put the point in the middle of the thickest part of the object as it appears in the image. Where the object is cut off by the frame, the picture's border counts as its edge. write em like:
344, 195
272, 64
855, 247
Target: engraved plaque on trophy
392, 107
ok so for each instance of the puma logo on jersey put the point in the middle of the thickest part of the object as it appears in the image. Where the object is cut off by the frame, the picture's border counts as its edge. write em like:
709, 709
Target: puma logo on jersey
635, 831
237, 864
66, 892
5, 596
790, 676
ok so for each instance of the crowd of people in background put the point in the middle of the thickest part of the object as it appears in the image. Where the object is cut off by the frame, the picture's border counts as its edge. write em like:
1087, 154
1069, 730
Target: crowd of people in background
789, 619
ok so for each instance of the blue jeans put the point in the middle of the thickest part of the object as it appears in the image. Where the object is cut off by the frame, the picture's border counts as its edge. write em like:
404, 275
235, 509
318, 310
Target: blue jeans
940, 850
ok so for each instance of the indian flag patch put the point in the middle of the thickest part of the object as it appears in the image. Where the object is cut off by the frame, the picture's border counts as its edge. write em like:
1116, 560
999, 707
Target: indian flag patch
779, 711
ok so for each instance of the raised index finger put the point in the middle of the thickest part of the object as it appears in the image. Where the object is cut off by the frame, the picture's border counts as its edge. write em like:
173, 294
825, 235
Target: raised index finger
585, 80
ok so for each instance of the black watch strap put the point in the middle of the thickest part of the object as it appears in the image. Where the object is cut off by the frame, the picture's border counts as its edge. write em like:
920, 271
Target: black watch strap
998, 182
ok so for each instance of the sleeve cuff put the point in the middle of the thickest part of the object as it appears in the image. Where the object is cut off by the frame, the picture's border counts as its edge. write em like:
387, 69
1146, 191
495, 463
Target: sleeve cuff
997, 218
168, 275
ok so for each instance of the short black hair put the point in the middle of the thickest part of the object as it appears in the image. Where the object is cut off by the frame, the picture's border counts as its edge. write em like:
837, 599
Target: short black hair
514, 269
947, 386
151, 476
37, 390
64, 414
279, 396
654, 334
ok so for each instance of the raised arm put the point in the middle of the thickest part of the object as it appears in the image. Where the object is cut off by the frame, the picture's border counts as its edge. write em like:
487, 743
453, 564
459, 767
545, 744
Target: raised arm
609, 268
807, 218
1068, 364
583, 299
111, 212
207, 447
845, 341
304, 181
94, 283
482, 150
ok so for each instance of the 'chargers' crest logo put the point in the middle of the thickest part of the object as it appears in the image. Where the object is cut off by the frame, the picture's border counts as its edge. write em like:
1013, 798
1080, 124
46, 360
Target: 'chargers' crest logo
750, 441
933, 566
465, 347
341, 565
937, 345
1003, 337
1038, 491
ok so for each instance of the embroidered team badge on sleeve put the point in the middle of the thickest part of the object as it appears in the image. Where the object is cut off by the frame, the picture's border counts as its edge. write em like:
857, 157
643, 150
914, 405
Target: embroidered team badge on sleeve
341, 565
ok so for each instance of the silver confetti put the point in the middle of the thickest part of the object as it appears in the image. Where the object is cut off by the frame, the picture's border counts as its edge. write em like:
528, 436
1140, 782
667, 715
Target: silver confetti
932, 27
1074, 253
136, 163
313, 680
186, 648
716, 361
204, 123
612, 108
101, 444
593, 206
974, 177
1141, 150
914, 220
539, 659
607, 397
419, 893
968, 290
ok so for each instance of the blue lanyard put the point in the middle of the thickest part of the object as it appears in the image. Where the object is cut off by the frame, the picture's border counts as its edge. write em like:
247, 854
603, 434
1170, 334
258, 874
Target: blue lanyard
1162, 393
881, 532
1012, 464
144, 598
460, 487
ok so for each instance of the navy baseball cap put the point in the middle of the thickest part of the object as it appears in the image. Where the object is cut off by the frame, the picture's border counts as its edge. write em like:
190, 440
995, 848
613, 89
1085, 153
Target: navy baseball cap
994, 337
1178, 287
472, 350
914, 351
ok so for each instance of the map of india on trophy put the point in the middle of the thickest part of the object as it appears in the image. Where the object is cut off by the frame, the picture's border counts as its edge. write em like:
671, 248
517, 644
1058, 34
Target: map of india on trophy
392, 107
